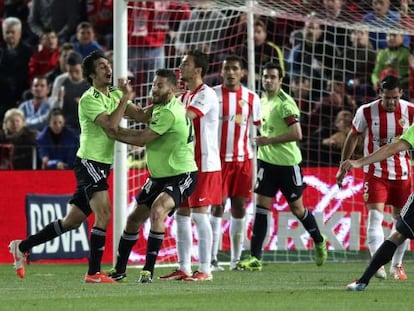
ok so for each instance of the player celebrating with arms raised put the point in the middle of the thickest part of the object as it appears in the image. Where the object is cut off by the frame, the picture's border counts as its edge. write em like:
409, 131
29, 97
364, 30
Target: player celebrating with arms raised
101, 108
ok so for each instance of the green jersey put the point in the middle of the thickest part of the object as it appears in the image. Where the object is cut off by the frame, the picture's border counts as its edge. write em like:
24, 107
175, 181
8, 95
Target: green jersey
94, 143
172, 153
274, 111
408, 136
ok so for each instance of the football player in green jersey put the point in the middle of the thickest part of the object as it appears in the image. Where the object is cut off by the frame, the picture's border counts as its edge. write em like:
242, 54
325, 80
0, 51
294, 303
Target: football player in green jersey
101, 108
278, 167
169, 144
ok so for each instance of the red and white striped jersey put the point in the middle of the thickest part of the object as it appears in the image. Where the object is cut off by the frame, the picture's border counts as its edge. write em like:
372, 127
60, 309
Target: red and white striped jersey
238, 109
204, 103
381, 127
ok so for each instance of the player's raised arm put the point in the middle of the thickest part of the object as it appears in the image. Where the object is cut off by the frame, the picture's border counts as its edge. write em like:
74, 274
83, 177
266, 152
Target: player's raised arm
381, 154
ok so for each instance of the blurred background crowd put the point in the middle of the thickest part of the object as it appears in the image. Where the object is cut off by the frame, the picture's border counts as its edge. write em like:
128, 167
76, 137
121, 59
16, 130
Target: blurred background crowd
331, 66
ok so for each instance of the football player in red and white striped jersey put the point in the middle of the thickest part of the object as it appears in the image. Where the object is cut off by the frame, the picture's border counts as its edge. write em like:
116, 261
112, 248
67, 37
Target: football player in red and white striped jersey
203, 109
386, 182
239, 109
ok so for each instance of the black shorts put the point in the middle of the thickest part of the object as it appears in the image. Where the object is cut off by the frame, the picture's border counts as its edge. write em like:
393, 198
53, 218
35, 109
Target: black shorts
91, 176
405, 223
270, 178
179, 187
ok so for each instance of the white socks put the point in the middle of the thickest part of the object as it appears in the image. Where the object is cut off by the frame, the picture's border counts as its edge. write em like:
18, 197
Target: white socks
184, 242
375, 233
236, 238
216, 228
205, 239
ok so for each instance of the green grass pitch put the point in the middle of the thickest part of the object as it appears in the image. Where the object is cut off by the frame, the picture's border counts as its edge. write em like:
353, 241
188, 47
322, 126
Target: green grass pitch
280, 286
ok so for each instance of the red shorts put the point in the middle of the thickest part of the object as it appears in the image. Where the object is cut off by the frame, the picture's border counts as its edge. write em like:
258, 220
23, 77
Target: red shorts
393, 192
207, 191
237, 179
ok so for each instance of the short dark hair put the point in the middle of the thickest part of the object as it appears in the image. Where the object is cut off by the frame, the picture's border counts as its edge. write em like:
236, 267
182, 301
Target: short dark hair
270, 65
73, 58
390, 82
83, 25
88, 65
55, 112
201, 60
235, 58
167, 73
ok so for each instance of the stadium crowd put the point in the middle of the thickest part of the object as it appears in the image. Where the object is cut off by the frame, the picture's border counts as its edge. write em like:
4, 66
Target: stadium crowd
329, 70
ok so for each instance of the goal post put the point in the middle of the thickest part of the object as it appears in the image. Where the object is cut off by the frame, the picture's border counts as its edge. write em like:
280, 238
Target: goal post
120, 69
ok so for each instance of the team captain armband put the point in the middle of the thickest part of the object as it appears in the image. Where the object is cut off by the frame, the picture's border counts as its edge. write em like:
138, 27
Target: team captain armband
291, 120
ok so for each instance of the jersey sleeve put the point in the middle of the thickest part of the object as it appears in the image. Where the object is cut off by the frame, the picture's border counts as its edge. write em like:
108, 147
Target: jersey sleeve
91, 107
203, 102
289, 111
408, 136
359, 123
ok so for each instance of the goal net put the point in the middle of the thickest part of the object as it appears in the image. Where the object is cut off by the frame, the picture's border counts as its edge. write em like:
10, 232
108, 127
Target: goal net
328, 52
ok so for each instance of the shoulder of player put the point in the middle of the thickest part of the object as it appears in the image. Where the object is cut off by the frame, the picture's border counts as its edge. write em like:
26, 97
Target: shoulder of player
249, 91
205, 89
410, 105
206, 92
113, 91
90, 93
217, 88
285, 97
173, 104
371, 104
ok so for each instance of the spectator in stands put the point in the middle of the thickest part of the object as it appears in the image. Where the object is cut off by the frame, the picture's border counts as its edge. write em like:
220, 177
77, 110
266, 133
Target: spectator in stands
382, 16
343, 123
264, 50
334, 11
85, 40
20, 9
36, 110
395, 59
64, 51
70, 91
45, 58
359, 64
14, 59
203, 31
100, 14
59, 15
23, 139
301, 91
56, 143
314, 56
147, 31
334, 143
323, 115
